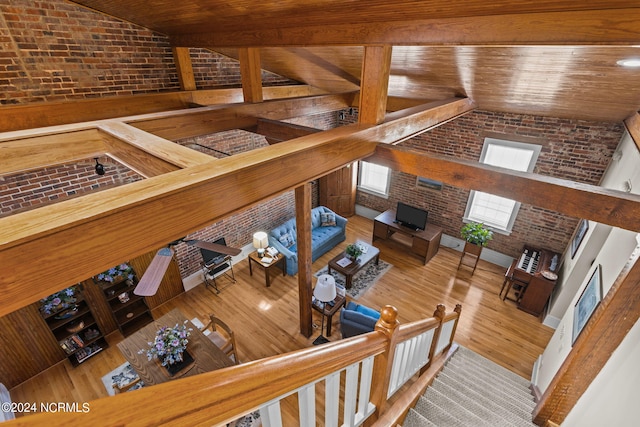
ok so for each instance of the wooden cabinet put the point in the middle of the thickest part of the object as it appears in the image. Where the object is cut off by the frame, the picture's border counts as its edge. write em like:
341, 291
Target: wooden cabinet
73, 325
130, 311
337, 190
423, 243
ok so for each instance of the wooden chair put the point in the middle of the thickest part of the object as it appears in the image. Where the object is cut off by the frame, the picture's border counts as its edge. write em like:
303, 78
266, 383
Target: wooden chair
223, 337
515, 279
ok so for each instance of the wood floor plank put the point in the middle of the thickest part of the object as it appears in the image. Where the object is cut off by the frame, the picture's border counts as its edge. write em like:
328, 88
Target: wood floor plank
266, 323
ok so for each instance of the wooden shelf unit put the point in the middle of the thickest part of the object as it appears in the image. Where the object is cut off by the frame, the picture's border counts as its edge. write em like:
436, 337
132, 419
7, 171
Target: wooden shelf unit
130, 315
78, 343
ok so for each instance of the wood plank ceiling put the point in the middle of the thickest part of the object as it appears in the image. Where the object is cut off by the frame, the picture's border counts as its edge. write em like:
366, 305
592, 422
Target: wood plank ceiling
552, 58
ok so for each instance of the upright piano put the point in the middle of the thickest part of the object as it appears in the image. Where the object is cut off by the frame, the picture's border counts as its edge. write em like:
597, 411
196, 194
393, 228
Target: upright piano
543, 266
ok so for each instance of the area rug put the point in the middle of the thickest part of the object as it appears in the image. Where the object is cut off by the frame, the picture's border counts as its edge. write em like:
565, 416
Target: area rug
123, 374
249, 420
362, 280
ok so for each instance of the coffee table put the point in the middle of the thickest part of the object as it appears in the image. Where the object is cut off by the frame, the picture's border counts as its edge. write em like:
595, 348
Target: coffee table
339, 264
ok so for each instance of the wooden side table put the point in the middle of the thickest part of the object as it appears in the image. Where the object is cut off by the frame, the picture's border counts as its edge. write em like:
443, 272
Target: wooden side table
277, 260
329, 311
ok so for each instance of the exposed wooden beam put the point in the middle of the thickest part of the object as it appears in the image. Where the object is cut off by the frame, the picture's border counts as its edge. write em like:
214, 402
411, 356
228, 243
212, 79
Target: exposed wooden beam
23, 154
64, 112
147, 154
251, 74
276, 131
633, 126
206, 120
578, 200
182, 58
584, 27
374, 84
606, 329
155, 211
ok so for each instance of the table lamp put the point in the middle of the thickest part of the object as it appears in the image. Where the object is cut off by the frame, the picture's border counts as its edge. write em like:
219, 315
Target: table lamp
324, 292
260, 241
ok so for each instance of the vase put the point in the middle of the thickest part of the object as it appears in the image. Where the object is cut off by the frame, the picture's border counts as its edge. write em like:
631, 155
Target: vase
178, 367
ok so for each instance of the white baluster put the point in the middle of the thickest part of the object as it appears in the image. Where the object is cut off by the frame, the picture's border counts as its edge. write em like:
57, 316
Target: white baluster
350, 391
307, 404
332, 394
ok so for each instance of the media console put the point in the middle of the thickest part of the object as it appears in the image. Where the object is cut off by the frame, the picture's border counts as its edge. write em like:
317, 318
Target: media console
424, 243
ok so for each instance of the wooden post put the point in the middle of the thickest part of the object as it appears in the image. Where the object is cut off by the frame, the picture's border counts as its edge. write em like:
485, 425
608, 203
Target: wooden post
303, 244
438, 314
387, 324
185, 69
374, 84
251, 74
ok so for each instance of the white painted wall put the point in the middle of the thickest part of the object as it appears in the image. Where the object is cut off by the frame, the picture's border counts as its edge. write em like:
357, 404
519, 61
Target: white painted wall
612, 397
612, 257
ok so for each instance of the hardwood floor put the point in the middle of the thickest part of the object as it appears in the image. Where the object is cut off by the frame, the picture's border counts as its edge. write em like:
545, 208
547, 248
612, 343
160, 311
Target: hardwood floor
266, 320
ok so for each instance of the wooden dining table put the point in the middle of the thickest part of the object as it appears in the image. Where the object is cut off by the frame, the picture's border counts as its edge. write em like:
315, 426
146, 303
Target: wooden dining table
207, 356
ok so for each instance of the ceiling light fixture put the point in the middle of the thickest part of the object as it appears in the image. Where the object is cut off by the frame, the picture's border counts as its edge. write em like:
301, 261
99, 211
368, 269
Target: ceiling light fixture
99, 167
629, 62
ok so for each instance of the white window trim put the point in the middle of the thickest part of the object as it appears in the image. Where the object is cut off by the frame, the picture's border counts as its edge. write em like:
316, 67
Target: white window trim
370, 190
535, 148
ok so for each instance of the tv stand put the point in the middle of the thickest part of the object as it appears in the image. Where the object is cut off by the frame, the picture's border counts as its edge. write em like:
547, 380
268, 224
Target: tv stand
423, 243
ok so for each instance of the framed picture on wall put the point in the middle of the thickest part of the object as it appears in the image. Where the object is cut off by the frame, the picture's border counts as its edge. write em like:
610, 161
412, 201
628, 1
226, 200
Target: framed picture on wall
587, 303
428, 183
583, 226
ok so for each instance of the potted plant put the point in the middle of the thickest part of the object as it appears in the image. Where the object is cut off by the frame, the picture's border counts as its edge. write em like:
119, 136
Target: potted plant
476, 235
353, 251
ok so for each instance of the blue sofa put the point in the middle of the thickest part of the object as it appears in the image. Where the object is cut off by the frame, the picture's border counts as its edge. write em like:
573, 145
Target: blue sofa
356, 319
327, 230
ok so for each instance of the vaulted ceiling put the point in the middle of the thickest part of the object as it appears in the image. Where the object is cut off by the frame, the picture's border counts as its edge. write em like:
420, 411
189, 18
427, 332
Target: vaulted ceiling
552, 58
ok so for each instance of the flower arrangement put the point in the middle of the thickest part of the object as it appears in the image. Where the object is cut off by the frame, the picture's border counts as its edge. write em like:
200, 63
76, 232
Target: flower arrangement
169, 344
58, 301
122, 270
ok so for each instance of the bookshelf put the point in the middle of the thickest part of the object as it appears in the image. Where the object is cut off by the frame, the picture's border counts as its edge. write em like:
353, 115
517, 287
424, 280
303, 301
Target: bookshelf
72, 324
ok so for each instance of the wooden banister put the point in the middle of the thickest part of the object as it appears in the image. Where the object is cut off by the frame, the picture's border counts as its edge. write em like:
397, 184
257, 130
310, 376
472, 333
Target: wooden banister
218, 397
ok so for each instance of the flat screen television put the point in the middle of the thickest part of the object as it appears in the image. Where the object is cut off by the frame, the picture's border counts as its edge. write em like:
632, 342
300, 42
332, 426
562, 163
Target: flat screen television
411, 217
212, 257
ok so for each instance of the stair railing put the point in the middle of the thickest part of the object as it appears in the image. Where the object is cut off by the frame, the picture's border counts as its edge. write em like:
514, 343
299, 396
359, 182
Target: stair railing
352, 377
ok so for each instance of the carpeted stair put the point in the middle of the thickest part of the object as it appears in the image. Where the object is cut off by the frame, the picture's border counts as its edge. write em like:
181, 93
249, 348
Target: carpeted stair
473, 391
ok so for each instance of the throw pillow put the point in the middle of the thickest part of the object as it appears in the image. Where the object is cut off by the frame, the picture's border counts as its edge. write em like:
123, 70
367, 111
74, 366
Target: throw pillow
327, 219
286, 240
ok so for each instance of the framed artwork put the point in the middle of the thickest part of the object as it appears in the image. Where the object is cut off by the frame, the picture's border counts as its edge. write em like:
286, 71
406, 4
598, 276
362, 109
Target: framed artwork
583, 226
587, 303
428, 183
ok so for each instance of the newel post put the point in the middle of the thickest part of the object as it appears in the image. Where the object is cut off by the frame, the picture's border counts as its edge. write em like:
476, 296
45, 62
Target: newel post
387, 324
438, 314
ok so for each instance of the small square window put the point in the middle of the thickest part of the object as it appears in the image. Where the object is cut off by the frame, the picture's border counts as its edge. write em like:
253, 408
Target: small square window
374, 178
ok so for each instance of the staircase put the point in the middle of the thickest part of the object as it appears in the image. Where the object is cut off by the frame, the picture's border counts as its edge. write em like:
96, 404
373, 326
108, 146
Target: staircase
473, 391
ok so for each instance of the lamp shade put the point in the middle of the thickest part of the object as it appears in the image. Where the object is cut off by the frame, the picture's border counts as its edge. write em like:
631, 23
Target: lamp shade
260, 240
325, 290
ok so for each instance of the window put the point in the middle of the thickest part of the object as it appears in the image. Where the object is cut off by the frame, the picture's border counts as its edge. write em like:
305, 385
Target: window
495, 211
374, 178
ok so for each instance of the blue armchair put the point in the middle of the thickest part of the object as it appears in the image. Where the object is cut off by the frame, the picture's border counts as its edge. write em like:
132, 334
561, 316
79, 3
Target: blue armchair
357, 319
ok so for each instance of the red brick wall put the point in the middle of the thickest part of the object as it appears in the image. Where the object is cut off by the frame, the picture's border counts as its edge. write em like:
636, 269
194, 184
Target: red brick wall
575, 150
24, 191
53, 50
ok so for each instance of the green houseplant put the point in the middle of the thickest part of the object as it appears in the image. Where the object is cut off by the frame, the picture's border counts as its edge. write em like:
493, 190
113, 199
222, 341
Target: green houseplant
353, 251
476, 233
